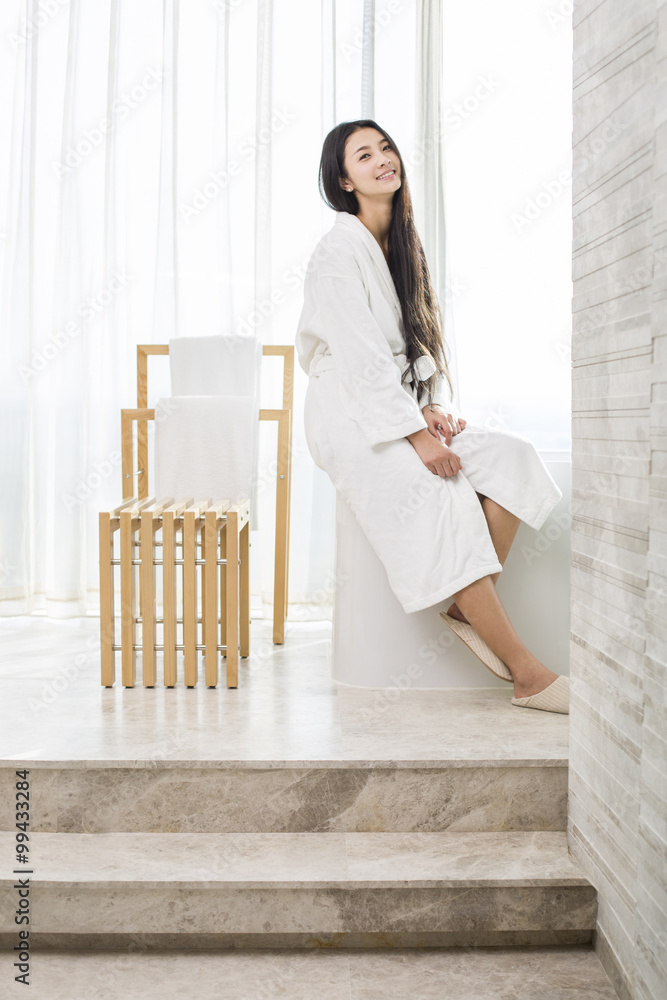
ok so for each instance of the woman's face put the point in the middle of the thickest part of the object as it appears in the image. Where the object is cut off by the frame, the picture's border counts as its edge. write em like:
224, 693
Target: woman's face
372, 165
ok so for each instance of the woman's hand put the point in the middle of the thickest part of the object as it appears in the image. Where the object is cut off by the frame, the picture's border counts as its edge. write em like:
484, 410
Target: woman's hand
435, 455
443, 423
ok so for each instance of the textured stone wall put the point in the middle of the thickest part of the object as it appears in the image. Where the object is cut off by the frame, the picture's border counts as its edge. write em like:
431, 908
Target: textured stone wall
617, 817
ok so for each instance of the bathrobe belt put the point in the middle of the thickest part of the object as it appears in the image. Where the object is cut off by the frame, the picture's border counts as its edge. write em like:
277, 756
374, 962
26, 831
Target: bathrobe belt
424, 366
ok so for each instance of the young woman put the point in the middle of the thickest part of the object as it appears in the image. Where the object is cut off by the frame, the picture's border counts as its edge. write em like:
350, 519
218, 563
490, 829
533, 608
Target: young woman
379, 422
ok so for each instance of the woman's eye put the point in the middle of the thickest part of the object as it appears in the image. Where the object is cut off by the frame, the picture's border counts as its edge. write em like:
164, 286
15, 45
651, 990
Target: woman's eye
388, 146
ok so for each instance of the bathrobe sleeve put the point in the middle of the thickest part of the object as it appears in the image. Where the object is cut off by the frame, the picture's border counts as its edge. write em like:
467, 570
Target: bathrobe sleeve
440, 396
370, 377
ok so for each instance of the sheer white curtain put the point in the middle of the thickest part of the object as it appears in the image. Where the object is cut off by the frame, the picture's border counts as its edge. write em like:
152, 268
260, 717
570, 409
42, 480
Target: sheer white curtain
151, 177
507, 124
158, 178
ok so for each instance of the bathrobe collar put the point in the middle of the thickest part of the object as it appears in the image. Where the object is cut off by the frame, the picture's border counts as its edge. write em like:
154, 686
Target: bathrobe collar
356, 225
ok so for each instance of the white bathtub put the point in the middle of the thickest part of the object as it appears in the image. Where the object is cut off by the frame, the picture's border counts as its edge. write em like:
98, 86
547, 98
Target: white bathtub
376, 644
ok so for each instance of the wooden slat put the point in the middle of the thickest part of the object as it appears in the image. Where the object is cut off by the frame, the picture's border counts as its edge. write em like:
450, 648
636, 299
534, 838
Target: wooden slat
231, 533
150, 522
212, 524
128, 625
126, 503
147, 598
129, 521
107, 620
210, 600
191, 522
168, 599
171, 523
189, 598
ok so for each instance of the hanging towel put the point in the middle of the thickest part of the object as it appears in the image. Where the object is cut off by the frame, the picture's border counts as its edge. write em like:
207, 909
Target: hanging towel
227, 365
215, 366
204, 448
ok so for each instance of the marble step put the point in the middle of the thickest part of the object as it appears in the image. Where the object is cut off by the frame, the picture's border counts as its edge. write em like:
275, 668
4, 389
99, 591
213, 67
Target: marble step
302, 889
568, 973
255, 796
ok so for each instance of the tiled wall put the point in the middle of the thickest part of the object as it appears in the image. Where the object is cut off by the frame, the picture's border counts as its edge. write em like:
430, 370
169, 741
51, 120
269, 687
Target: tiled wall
617, 826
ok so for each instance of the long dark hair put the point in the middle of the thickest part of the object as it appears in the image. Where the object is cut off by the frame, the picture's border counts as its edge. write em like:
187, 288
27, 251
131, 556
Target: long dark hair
422, 316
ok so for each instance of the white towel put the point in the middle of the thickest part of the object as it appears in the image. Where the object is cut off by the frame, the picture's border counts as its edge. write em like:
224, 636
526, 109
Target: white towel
204, 448
215, 366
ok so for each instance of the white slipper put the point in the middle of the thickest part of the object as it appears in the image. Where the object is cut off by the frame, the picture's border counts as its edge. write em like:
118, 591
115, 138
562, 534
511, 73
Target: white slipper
475, 642
554, 698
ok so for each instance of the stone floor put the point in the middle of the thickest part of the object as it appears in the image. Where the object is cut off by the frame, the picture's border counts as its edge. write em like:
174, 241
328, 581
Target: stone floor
285, 708
286, 711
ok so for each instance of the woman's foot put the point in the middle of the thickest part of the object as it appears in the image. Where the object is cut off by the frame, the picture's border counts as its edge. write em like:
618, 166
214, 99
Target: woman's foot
532, 677
454, 612
531, 683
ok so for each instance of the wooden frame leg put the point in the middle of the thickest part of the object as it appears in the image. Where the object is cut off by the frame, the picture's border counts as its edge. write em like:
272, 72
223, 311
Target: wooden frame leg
107, 618
231, 530
244, 588
282, 529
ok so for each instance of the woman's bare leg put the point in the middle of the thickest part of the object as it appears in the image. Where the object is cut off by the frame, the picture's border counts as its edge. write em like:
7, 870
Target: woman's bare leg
503, 526
484, 610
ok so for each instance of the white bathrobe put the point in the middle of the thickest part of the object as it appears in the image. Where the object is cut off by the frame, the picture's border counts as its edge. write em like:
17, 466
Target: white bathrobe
429, 531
